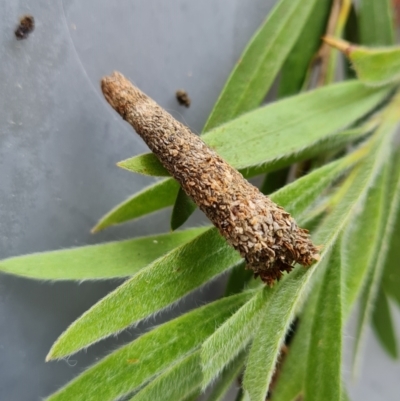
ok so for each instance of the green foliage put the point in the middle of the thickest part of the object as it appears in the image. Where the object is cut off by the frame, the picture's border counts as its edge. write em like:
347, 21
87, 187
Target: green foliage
230, 338
146, 164
228, 376
98, 262
136, 363
338, 142
158, 285
376, 23
323, 375
155, 197
376, 67
298, 62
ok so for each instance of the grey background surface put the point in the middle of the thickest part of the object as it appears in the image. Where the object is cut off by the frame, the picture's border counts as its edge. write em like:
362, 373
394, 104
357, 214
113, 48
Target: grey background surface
59, 142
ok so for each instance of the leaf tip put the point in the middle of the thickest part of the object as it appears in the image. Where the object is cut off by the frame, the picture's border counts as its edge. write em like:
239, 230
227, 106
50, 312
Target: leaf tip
121, 164
49, 357
96, 229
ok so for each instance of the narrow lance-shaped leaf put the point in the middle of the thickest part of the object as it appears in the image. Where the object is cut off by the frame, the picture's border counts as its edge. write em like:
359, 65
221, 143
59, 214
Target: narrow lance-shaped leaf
363, 229
155, 197
263, 136
97, 262
373, 66
332, 141
273, 136
295, 68
158, 285
362, 179
176, 383
376, 269
303, 192
391, 275
139, 361
383, 324
365, 176
228, 376
277, 316
323, 378
262, 59
292, 374
376, 22
230, 338
146, 164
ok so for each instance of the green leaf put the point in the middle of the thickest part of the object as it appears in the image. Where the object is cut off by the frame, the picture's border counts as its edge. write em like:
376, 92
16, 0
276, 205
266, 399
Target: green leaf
97, 262
373, 66
376, 66
292, 374
295, 68
363, 229
136, 363
323, 376
155, 287
183, 208
234, 335
391, 275
275, 134
383, 324
176, 383
146, 164
300, 194
370, 291
332, 142
228, 376
376, 22
268, 339
155, 197
256, 70
361, 180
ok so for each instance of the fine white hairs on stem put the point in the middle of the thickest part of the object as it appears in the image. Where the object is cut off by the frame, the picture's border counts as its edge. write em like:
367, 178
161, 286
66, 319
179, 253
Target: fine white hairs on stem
266, 236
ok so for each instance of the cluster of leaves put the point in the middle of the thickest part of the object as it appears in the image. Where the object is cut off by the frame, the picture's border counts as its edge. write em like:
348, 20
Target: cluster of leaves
349, 198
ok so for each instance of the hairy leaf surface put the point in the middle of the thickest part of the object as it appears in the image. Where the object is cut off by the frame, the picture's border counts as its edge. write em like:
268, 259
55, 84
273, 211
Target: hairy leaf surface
323, 375
97, 262
136, 363
234, 334
277, 316
228, 376
160, 284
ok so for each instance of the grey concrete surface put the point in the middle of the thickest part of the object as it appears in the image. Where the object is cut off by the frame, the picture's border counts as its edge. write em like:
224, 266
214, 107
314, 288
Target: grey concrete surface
59, 142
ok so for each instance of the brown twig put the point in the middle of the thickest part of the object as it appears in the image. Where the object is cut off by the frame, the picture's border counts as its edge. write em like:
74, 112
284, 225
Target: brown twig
264, 234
